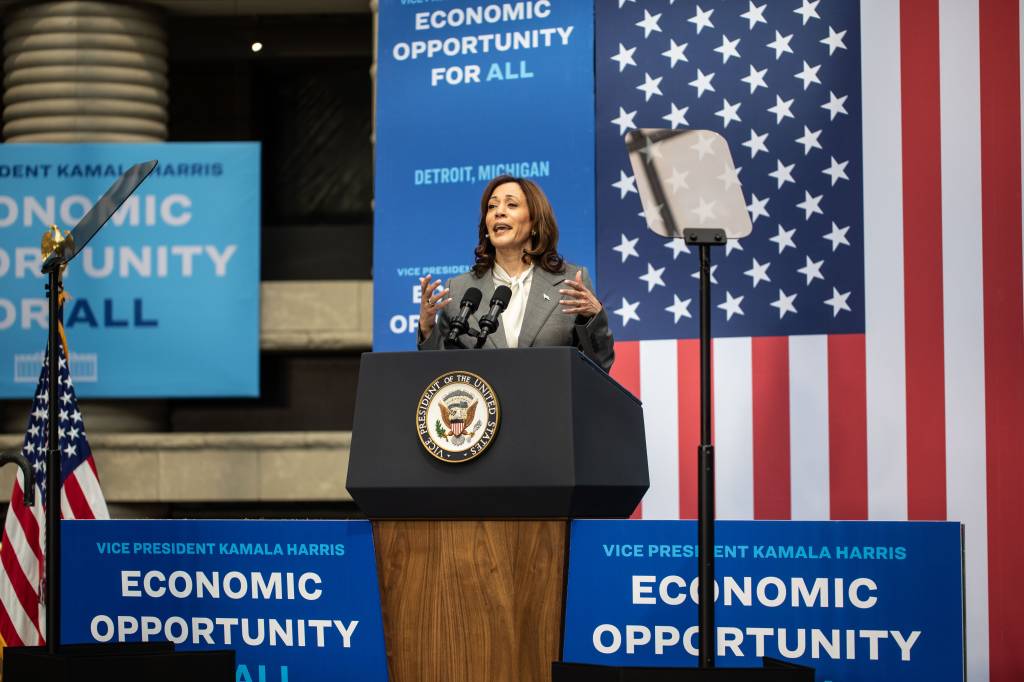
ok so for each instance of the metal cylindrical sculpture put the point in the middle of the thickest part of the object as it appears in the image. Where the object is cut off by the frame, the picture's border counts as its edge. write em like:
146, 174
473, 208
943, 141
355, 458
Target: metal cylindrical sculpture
83, 71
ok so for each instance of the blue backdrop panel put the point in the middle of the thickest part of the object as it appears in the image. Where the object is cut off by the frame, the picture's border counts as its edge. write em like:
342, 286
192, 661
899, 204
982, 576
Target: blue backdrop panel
468, 91
855, 600
165, 298
297, 600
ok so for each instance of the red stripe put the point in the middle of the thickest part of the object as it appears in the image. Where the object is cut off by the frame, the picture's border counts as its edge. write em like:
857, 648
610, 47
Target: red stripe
27, 594
847, 427
29, 524
1004, 330
626, 371
922, 253
688, 391
76, 498
770, 368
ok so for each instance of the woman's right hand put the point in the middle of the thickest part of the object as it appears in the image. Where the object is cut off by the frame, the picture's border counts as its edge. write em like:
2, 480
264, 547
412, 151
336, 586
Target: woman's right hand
432, 299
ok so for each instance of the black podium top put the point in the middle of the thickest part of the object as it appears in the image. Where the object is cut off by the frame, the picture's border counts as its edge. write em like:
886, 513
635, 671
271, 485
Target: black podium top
569, 444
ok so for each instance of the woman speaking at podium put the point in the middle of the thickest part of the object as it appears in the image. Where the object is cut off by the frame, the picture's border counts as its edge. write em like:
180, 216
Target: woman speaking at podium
518, 248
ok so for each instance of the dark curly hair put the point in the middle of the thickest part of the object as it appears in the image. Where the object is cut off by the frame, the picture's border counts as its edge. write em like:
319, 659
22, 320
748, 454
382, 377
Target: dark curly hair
543, 249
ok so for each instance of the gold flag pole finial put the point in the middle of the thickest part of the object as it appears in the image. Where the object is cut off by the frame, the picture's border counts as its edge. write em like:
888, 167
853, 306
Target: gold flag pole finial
53, 242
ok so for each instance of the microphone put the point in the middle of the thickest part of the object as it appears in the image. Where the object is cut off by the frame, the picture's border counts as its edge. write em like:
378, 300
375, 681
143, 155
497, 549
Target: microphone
499, 301
460, 325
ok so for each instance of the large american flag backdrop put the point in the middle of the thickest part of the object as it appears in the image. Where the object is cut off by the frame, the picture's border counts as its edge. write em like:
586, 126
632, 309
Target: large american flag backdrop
22, 614
869, 352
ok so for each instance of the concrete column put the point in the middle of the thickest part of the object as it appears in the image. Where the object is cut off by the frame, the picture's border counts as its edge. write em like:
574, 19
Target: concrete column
78, 71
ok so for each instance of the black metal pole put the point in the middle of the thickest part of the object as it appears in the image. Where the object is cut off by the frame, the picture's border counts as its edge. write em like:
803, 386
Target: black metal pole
53, 470
706, 476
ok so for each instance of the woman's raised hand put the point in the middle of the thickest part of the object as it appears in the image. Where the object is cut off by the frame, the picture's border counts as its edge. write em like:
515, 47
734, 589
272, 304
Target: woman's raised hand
578, 299
432, 299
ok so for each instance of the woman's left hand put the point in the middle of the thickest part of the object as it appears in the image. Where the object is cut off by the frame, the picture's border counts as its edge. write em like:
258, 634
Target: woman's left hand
578, 299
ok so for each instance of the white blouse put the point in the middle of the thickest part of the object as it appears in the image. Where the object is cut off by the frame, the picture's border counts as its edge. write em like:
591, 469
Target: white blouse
512, 318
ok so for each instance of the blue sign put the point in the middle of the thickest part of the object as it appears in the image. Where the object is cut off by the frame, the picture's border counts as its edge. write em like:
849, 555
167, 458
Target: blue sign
297, 600
165, 299
466, 92
854, 600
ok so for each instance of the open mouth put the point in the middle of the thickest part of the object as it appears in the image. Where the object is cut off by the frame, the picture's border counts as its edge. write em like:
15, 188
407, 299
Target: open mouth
501, 228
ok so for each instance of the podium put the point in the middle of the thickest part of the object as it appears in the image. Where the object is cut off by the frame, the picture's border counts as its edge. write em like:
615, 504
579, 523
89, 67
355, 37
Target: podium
471, 555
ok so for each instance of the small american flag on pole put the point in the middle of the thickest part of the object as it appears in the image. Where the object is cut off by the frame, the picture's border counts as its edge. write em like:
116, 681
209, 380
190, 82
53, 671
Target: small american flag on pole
869, 352
22, 614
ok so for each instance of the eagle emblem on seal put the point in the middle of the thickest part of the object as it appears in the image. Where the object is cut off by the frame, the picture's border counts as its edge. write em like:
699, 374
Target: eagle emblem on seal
457, 416
457, 411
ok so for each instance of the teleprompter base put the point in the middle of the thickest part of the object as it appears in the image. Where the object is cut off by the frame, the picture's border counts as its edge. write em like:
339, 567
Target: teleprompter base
122, 662
774, 670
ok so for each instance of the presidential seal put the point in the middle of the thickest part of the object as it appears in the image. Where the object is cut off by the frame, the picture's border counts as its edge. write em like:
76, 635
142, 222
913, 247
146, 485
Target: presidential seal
457, 417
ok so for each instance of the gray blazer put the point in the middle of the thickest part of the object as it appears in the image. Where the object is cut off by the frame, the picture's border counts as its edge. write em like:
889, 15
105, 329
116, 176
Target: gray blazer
543, 323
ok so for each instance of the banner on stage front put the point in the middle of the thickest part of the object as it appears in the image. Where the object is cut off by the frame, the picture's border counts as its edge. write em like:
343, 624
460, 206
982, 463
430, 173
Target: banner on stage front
297, 600
165, 299
853, 600
468, 91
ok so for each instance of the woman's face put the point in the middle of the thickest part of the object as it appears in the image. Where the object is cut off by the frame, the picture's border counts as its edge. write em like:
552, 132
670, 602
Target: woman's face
508, 219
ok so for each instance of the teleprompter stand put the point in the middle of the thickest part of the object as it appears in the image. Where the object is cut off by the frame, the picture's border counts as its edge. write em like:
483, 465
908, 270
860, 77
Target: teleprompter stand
773, 670
111, 662
704, 216
705, 239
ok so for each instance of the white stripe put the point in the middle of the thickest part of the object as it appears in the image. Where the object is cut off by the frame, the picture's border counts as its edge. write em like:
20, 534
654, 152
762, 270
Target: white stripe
734, 428
90, 487
808, 427
37, 512
883, 261
65, 507
18, 539
963, 318
658, 381
23, 625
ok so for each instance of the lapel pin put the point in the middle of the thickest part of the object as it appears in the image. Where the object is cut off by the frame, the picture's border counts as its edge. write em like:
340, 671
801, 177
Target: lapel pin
546, 297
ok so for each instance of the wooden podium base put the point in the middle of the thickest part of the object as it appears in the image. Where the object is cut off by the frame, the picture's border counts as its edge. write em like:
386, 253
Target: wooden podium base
472, 600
